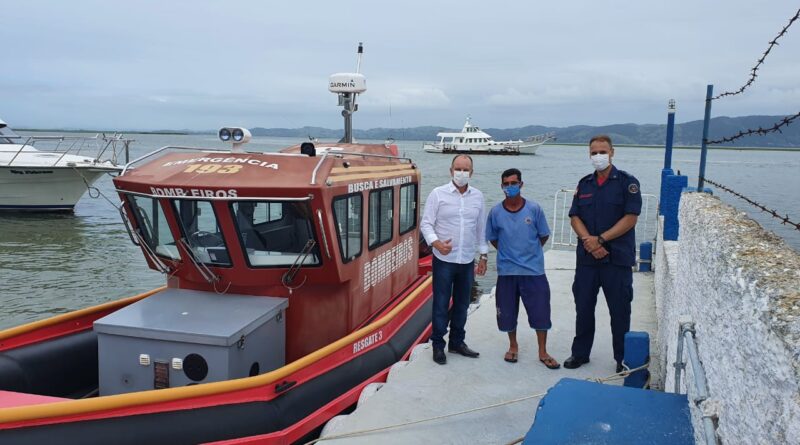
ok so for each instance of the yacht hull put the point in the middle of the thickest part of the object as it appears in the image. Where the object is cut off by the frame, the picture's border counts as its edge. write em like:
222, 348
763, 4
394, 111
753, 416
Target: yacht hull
25, 188
482, 149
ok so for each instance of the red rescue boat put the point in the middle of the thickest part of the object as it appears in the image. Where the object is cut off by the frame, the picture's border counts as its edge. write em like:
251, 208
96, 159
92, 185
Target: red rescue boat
293, 281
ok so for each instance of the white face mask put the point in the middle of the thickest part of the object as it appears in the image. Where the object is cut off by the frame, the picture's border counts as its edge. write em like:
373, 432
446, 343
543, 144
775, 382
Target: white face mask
460, 178
600, 161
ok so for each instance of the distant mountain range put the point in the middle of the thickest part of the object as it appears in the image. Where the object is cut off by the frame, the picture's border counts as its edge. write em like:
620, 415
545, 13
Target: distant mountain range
686, 134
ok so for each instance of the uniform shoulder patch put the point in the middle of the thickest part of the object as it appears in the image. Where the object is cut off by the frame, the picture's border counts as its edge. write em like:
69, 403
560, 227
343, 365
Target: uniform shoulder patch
633, 188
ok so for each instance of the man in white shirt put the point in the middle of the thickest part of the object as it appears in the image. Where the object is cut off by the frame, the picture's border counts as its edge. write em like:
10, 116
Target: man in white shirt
454, 224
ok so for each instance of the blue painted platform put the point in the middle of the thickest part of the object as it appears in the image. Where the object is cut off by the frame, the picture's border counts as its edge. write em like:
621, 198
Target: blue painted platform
583, 412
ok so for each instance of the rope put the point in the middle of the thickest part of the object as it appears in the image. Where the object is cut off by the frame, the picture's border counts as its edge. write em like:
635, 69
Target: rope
784, 219
611, 377
754, 70
97, 190
431, 419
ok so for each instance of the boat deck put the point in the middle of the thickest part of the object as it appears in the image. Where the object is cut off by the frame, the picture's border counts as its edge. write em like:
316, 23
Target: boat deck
421, 389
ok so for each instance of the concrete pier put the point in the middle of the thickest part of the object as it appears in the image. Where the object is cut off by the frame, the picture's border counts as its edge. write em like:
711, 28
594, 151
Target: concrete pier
421, 389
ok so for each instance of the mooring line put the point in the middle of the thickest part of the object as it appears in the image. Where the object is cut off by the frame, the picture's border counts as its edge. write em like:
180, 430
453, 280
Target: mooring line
609, 378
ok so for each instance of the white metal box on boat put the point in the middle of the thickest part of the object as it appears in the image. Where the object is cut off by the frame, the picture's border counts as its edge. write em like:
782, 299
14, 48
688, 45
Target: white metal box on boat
214, 337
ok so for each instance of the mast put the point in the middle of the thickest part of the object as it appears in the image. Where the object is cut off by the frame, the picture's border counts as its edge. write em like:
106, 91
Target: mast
348, 86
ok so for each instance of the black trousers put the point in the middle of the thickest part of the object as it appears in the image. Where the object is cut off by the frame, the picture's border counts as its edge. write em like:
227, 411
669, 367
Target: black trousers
617, 284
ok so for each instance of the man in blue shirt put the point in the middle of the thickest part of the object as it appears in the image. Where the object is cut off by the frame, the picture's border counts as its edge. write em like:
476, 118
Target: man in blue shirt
517, 228
604, 211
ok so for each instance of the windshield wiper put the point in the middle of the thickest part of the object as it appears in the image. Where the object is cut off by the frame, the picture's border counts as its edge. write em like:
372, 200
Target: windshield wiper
288, 277
148, 251
207, 274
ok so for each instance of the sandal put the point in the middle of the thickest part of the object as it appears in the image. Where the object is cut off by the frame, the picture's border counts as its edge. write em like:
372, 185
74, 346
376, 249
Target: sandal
511, 357
550, 362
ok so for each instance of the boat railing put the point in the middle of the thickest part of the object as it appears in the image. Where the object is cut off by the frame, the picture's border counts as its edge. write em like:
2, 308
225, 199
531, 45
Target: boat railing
544, 137
563, 237
101, 147
440, 144
687, 335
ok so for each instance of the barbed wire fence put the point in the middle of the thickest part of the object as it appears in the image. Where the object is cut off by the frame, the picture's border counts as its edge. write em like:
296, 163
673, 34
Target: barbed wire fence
754, 70
784, 219
760, 131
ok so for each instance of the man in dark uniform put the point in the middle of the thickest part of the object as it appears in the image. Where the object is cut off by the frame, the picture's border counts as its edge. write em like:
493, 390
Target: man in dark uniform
604, 211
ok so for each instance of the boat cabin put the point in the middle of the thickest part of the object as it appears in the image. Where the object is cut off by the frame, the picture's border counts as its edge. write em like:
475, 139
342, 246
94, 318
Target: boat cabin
331, 229
470, 135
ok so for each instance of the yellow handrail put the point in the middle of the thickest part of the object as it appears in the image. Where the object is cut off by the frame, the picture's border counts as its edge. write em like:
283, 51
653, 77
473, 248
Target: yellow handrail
76, 407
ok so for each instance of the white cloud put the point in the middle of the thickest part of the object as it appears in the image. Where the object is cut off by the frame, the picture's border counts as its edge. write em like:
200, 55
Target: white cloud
410, 97
576, 62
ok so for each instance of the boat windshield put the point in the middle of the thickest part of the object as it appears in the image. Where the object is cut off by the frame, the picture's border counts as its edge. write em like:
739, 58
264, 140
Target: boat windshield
7, 136
273, 233
152, 226
200, 229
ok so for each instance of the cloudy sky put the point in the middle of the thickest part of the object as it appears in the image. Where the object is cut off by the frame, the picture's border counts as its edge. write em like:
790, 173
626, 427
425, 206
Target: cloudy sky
200, 64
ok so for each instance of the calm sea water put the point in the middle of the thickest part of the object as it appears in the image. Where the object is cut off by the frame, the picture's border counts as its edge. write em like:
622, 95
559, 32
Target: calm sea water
53, 264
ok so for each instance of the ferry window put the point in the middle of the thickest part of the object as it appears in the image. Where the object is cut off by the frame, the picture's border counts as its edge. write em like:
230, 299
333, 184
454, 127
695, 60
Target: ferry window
380, 217
276, 233
152, 226
408, 207
347, 213
200, 229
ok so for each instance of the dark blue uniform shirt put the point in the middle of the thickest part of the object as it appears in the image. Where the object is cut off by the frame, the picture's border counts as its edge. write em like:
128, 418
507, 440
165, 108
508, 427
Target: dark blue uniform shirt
600, 207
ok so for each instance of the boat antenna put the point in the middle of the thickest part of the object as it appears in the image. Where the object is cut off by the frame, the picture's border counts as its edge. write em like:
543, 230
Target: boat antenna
348, 86
358, 58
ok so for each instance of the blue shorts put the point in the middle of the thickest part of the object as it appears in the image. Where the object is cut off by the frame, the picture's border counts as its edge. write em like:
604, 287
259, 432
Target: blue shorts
533, 290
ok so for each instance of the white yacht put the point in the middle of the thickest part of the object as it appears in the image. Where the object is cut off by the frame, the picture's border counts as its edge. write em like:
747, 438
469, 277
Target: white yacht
51, 173
472, 139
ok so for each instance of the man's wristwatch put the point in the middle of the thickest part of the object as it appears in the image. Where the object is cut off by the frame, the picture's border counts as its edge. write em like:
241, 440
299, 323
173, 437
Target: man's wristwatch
483, 256
601, 240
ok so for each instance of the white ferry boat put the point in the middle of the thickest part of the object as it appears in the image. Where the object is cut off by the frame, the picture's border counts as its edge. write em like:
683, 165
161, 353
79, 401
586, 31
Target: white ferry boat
471, 139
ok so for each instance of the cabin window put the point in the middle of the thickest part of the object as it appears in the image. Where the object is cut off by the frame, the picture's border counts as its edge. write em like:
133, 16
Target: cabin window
152, 227
267, 212
276, 233
200, 230
408, 207
380, 217
347, 213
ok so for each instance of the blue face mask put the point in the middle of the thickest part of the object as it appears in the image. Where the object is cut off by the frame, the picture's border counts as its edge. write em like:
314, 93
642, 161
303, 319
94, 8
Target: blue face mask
511, 191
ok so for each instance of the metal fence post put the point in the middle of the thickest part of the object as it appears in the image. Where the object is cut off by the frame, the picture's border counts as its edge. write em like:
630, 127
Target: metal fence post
670, 134
667, 170
703, 146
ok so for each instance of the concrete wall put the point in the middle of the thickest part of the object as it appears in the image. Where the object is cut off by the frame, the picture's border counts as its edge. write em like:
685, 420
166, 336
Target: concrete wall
740, 285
